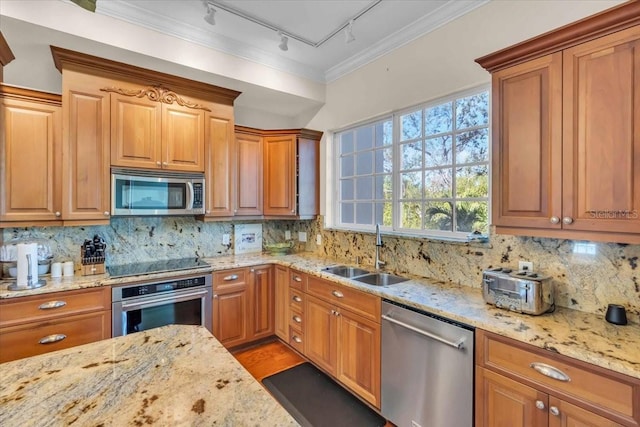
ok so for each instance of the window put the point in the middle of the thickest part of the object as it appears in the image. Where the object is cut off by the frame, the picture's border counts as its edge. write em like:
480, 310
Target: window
422, 171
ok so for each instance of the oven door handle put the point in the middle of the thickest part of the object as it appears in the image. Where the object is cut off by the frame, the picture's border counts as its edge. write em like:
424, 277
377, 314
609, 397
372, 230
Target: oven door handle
137, 304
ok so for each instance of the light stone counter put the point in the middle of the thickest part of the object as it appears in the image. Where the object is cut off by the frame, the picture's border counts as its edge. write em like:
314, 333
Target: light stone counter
583, 336
169, 376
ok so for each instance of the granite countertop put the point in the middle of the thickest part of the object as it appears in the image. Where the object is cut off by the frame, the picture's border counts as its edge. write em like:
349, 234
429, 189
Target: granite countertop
583, 336
171, 376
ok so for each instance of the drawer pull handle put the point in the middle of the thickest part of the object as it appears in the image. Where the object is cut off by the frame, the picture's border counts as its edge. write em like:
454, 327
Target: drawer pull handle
539, 404
49, 339
337, 294
553, 410
550, 371
230, 277
297, 319
296, 339
297, 279
52, 304
296, 298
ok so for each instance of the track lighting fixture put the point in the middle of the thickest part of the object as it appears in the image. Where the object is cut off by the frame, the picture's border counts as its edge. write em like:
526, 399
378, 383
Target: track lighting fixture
210, 17
348, 33
284, 40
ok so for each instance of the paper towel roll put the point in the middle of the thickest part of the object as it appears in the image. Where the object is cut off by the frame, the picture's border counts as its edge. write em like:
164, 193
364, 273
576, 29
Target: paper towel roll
25, 249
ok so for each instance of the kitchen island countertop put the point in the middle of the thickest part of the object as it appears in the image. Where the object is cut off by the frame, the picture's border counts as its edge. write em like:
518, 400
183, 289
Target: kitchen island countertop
168, 376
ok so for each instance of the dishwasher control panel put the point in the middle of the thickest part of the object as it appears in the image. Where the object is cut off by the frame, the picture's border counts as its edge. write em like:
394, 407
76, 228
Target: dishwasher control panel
522, 292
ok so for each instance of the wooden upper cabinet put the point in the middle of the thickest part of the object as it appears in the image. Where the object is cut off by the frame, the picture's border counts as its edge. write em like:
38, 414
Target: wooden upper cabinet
527, 143
219, 159
601, 84
248, 188
280, 175
182, 138
30, 146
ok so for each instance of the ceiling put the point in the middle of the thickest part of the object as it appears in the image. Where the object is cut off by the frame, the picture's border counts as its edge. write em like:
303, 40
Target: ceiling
378, 27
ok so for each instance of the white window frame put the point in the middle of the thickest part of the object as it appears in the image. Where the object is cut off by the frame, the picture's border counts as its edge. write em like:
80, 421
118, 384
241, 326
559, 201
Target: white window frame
396, 175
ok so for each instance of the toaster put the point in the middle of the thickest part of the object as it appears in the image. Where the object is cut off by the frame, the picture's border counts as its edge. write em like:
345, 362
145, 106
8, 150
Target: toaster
521, 291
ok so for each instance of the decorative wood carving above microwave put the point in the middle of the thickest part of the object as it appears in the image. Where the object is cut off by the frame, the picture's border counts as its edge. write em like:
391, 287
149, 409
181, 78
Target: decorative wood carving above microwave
156, 93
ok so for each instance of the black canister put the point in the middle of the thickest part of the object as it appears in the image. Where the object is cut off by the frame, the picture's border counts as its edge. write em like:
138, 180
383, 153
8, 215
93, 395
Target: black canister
616, 314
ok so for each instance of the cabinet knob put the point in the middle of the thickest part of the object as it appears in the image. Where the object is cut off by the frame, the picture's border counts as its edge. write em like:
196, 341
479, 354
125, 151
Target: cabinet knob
235, 211
337, 294
50, 339
208, 212
215, 296
165, 164
293, 211
567, 220
296, 339
230, 277
297, 319
297, 279
252, 270
51, 305
554, 220
106, 213
539, 404
158, 163
553, 410
58, 214
296, 298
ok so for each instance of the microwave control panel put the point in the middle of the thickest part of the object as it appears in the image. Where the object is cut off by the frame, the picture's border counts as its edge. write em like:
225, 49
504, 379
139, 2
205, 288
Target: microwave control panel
197, 196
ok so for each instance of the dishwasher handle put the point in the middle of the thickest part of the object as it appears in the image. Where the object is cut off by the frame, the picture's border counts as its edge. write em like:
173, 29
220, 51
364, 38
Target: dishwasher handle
457, 345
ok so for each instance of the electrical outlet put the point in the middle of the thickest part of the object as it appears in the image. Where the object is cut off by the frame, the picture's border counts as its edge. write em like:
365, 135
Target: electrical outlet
318, 239
302, 236
287, 234
225, 239
525, 266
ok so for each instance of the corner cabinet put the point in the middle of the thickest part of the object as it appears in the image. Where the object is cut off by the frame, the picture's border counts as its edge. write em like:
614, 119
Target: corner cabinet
248, 177
566, 151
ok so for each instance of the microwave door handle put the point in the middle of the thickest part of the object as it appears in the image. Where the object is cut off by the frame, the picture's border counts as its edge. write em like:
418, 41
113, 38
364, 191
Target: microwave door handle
190, 195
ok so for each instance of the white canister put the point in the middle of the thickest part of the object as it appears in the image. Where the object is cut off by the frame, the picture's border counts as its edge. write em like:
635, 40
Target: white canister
67, 268
56, 269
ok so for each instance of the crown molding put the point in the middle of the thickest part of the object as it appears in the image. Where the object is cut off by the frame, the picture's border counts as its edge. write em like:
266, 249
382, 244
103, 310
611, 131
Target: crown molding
444, 14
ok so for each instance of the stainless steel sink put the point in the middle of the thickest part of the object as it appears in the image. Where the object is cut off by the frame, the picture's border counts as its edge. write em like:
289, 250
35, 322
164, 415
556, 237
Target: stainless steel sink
346, 271
380, 279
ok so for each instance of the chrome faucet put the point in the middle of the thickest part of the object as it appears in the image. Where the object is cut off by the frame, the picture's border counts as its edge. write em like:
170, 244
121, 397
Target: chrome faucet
379, 263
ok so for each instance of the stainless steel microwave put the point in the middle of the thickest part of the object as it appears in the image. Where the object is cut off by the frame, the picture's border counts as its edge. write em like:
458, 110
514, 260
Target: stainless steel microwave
142, 192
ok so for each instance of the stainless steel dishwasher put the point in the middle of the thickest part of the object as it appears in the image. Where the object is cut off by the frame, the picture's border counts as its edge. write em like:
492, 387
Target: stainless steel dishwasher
427, 369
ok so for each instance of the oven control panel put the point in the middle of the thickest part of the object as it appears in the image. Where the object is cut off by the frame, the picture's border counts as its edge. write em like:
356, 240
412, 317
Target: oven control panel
155, 288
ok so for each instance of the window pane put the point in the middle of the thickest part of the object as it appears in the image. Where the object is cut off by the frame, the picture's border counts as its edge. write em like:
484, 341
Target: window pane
384, 160
438, 151
364, 163
438, 216
383, 187
364, 213
472, 146
438, 119
411, 126
364, 188
437, 183
472, 181
364, 138
411, 215
346, 213
472, 110
411, 185
346, 142
383, 214
472, 216
384, 133
346, 189
346, 166
411, 155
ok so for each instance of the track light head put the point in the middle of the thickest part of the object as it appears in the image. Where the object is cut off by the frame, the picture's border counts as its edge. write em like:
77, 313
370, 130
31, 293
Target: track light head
210, 17
284, 41
348, 33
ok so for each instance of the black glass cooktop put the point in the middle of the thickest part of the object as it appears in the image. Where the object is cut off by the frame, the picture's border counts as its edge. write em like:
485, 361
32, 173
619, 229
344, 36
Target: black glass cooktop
140, 268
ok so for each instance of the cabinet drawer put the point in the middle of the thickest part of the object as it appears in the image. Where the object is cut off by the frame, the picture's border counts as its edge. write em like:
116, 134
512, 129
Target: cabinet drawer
25, 340
296, 299
595, 386
15, 311
296, 318
358, 302
296, 339
222, 279
297, 280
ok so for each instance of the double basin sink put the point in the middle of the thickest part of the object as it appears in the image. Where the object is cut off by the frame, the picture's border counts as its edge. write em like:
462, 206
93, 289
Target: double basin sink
365, 276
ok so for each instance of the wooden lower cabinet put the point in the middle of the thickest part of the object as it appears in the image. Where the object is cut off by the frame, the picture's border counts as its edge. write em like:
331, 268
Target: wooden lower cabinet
43, 323
262, 302
230, 315
281, 315
510, 392
321, 334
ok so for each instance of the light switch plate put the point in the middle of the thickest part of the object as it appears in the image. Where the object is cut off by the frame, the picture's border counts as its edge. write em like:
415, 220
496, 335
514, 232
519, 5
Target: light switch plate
302, 236
226, 238
525, 266
318, 239
287, 234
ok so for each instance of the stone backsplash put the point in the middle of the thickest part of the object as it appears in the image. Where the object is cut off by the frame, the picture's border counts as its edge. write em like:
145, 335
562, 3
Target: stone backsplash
586, 276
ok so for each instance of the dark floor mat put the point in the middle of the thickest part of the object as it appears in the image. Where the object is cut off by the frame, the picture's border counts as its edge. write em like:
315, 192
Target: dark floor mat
314, 399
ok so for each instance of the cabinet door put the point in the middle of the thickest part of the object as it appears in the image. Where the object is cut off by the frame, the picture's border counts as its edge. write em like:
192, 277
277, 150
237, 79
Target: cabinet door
502, 402
30, 147
135, 132
86, 172
280, 175
564, 414
359, 356
281, 279
262, 309
219, 160
320, 332
527, 144
182, 138
248, 175
230, 315
601, 86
